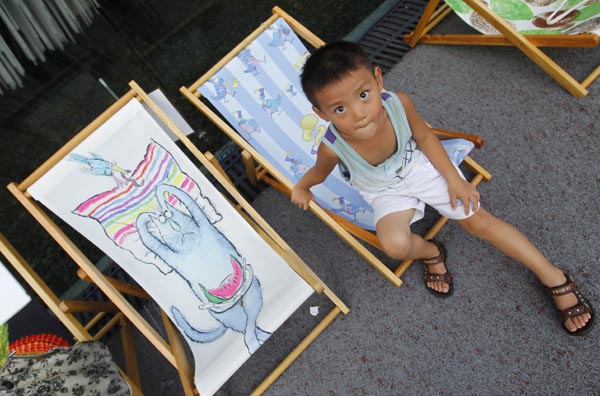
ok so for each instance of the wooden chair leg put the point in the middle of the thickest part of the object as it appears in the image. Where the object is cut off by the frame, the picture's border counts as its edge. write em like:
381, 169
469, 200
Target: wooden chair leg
589, 79
215, 162
423, 21
248, 162
131, 365
182, 365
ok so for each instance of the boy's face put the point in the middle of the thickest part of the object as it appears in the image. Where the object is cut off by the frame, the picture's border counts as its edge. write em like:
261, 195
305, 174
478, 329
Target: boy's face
353, 104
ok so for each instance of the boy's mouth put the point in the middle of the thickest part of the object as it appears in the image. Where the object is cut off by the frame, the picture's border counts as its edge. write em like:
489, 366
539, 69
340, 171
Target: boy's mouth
362, 126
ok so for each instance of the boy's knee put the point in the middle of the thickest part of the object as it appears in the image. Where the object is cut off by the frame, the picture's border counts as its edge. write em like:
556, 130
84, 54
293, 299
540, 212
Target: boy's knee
397, 247
479, 224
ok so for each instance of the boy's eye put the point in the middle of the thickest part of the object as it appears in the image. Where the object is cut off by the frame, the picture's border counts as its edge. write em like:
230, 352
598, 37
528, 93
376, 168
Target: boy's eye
364, 95
340, 109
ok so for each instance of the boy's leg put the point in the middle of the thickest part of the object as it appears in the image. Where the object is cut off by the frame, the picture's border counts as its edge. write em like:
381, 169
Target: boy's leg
397, 240
514, 244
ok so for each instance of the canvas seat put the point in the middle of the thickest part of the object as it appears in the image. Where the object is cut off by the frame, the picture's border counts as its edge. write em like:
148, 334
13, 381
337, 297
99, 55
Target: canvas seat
526, 24
224, 280
259, 104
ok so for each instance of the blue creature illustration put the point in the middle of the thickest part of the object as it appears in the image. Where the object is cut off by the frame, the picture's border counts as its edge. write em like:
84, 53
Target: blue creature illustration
347, 207
248, 126
297, 168
221, 89
250, 61
190, 245
291, 90
281, 36
271, 106
96, 165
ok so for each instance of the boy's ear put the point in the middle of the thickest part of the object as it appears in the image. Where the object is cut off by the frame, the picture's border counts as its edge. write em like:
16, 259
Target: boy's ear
378, 77
320, 113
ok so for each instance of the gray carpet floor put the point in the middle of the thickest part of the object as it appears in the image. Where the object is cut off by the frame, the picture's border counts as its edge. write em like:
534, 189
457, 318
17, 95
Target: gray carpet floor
498, 334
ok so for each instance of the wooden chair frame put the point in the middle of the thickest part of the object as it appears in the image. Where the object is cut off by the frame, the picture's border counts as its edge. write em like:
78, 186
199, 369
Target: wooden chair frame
270, 175
173, 348
528, 44
65, 311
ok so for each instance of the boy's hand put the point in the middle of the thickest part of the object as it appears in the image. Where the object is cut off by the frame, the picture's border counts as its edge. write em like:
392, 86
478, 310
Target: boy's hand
301, 197
462, 191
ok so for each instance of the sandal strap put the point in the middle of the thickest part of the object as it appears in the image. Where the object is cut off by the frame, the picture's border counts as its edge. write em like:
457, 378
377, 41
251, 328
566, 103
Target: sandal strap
575, 311
568, 287
447, 278
440, 258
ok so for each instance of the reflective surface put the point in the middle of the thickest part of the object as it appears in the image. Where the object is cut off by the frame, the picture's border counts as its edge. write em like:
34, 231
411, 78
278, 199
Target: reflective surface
160, 45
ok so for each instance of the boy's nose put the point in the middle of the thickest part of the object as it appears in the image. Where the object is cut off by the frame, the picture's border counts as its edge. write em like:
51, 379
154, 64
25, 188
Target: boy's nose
359, 113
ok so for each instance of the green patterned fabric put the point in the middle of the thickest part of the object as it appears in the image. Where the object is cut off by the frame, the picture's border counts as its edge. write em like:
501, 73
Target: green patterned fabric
534, 16
3, 343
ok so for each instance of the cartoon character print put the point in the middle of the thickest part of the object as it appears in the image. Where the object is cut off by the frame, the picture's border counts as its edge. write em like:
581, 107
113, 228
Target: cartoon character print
270, 106
297, 167
221, 88
302, 60
250, 61
281, 35
248, 126
311, 131
347, 208
291, 91
98, 166
184, 238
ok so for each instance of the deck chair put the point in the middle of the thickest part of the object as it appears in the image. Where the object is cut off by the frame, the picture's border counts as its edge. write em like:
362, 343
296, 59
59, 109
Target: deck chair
524, 24
223, 279
66, 312
256, 90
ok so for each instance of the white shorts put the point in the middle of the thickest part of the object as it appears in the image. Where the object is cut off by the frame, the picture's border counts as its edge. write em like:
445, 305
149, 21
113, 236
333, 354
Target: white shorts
423, 184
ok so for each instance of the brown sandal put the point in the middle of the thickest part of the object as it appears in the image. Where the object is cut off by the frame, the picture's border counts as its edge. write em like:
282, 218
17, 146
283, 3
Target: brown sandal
446, 277
584, 306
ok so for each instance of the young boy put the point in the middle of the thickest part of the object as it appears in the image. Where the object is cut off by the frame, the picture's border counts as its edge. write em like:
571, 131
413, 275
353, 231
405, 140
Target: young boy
374, 134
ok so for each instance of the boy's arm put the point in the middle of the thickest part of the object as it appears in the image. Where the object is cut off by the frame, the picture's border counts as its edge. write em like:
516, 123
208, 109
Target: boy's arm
326, 161
434, 151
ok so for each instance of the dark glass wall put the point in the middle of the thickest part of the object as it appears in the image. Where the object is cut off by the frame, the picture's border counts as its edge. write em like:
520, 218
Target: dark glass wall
160, 44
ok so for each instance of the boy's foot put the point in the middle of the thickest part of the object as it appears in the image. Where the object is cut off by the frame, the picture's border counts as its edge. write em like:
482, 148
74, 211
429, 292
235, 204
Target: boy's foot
574, 311
437, 278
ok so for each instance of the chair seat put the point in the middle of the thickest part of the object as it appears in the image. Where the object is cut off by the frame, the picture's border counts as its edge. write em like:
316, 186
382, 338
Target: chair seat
530, 17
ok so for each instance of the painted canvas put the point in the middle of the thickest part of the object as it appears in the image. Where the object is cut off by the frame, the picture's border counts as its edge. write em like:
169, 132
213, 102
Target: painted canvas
132, 192
535, 17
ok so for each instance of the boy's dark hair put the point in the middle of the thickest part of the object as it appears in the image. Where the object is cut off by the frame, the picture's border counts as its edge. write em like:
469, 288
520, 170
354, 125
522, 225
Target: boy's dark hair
330, 64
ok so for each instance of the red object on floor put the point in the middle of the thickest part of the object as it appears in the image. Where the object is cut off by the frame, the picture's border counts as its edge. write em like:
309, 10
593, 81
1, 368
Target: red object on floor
37, 343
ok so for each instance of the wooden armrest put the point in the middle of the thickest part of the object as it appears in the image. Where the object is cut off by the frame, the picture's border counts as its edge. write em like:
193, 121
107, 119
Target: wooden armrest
444, 134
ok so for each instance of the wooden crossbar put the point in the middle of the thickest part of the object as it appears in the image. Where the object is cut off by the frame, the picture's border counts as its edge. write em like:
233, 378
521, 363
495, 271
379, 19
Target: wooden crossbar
528, 44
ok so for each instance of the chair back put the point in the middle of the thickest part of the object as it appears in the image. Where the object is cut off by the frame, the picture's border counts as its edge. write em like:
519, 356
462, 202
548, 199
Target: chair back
135, 195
